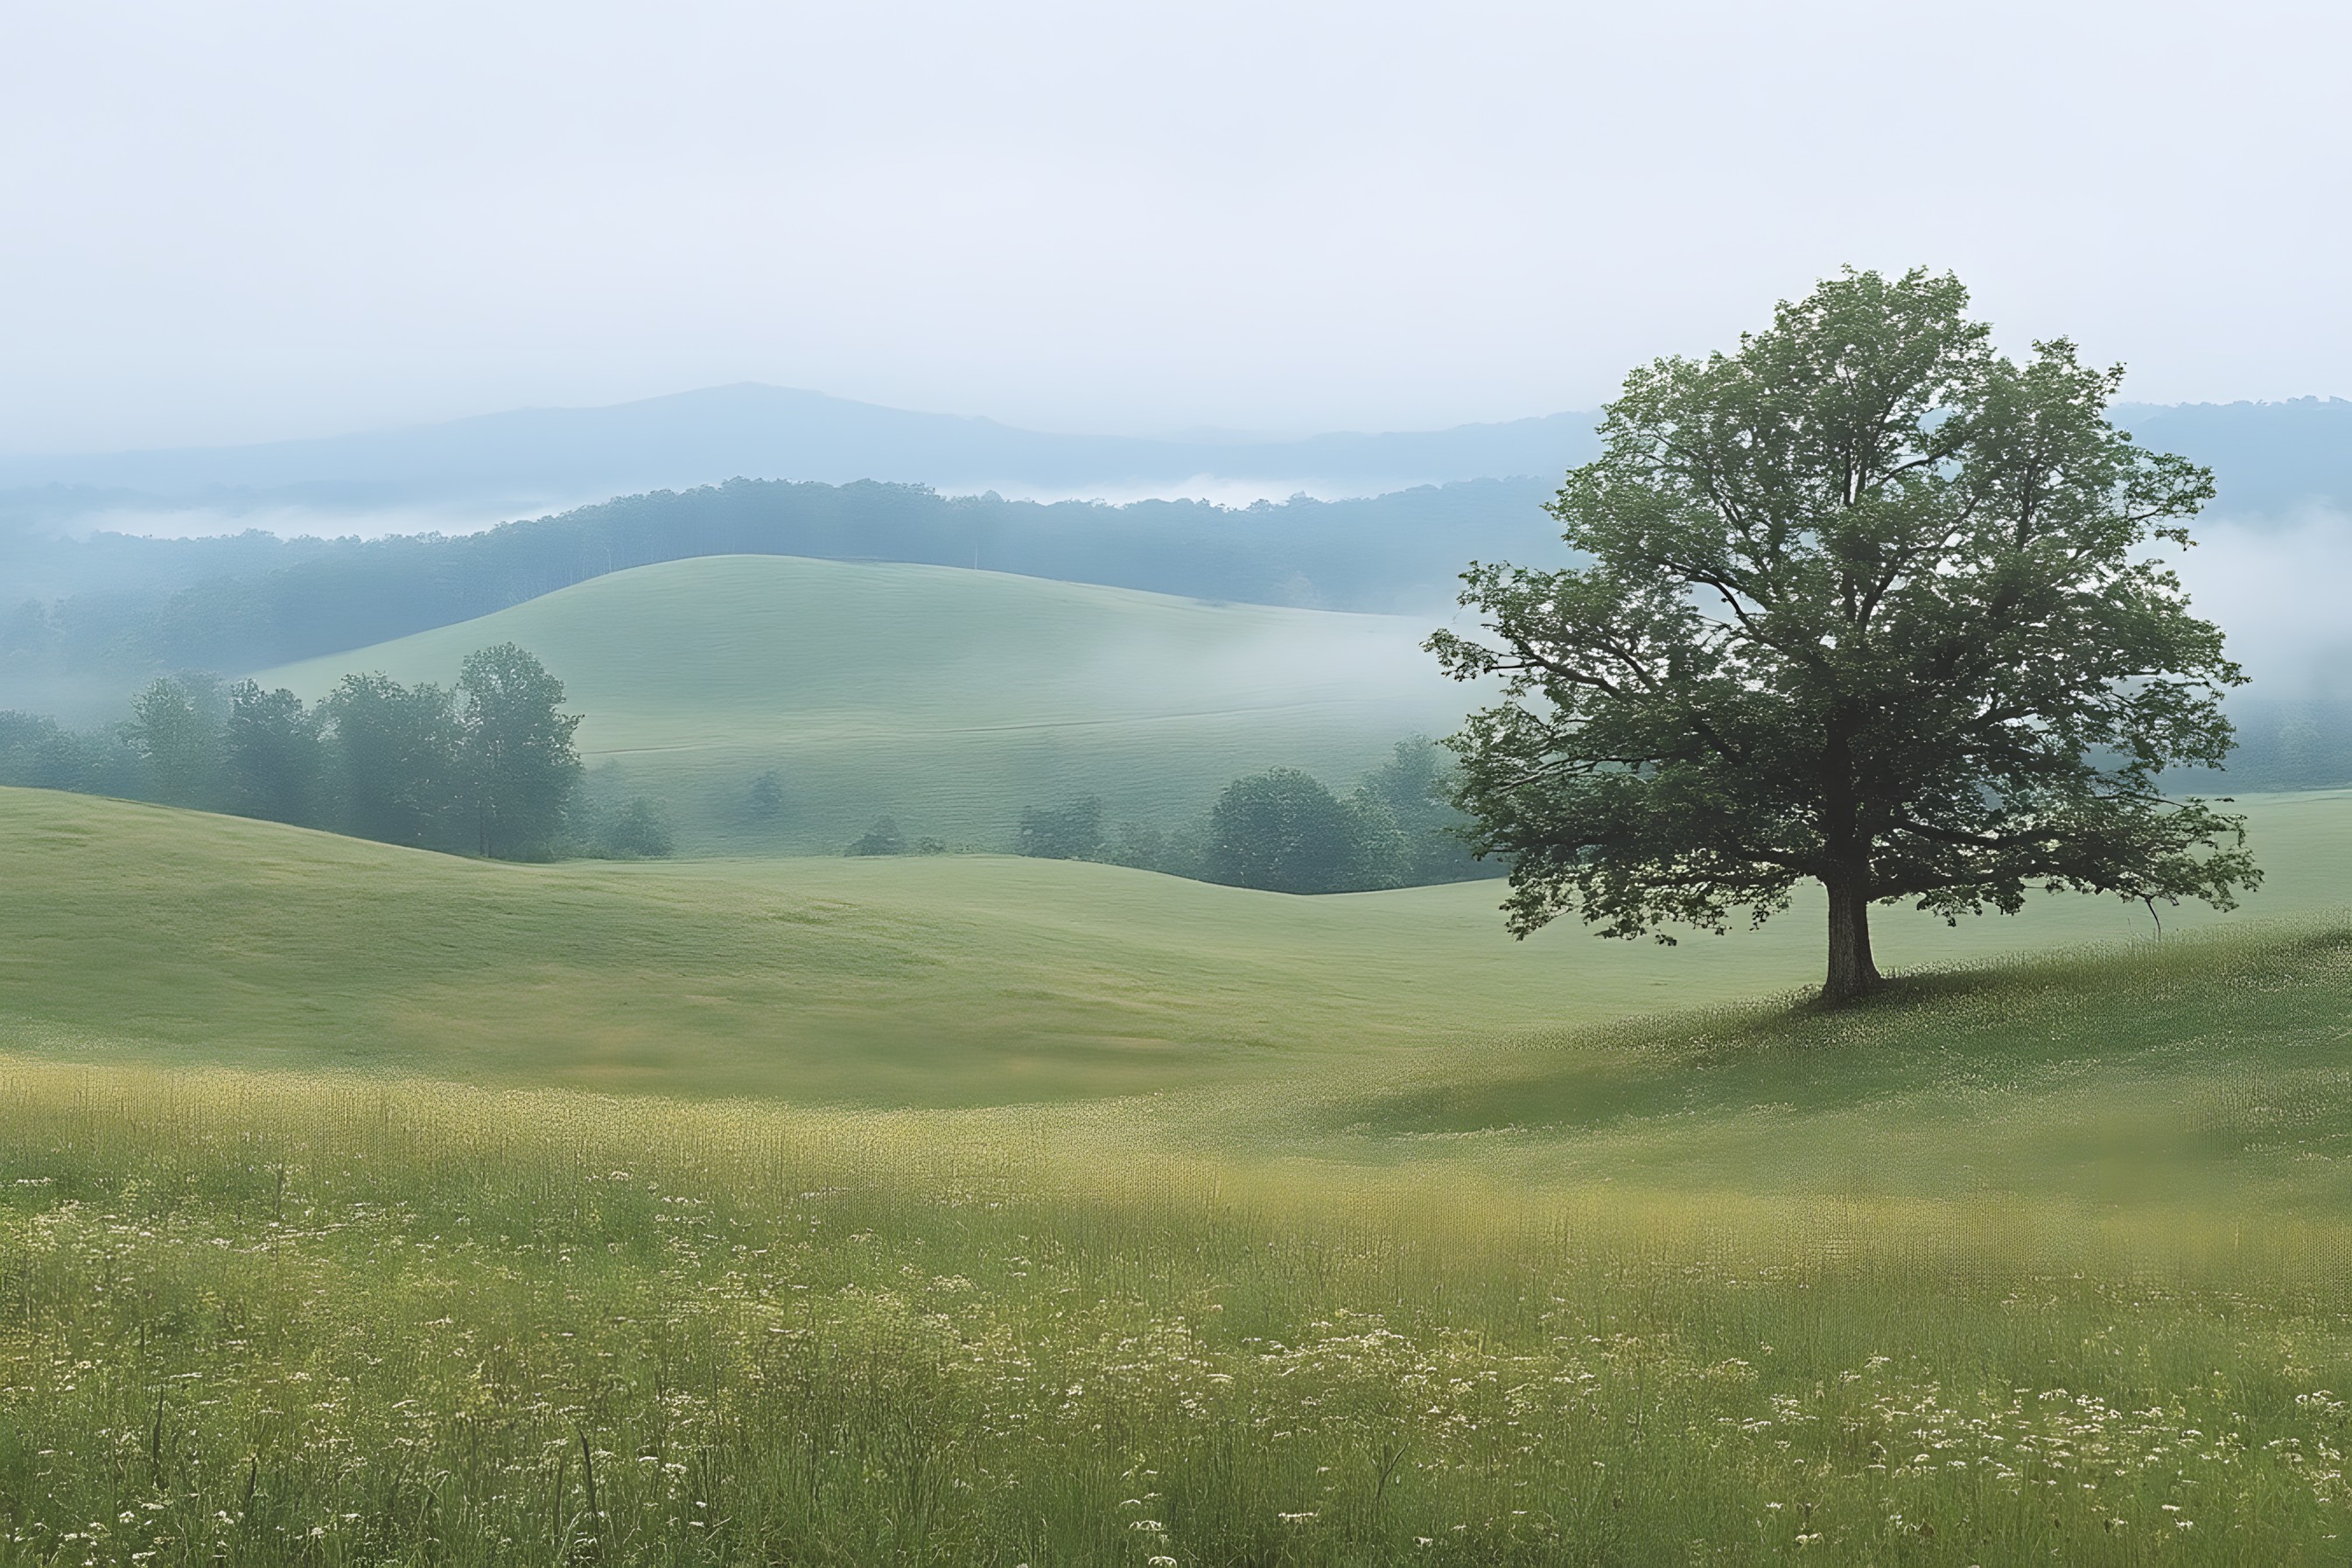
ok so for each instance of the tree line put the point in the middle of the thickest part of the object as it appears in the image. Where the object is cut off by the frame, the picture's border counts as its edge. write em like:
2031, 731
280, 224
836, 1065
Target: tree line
111, 605
1282, 830
484, 766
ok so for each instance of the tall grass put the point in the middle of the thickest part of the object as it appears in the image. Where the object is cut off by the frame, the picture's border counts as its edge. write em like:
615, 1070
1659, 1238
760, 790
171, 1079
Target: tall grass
251, 1317
2041, 1262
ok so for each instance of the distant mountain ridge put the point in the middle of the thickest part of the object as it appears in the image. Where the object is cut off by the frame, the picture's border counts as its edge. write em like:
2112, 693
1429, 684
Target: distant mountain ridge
2273, 460
530, 457
2270, 460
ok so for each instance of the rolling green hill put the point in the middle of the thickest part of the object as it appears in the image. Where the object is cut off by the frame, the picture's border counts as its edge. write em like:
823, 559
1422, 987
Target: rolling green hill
949, 700
937, 980
1175, 1223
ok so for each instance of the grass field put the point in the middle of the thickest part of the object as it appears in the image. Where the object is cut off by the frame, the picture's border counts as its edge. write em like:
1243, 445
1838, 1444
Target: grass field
1071, 1216
948, 699
939, 980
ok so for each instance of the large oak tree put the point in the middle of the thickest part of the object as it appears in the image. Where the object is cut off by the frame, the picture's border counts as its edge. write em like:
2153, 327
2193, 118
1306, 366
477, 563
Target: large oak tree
1863, 603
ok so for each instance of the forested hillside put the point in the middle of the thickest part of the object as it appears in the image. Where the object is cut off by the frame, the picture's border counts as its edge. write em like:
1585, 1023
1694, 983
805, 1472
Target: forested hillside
83, 618
133, 607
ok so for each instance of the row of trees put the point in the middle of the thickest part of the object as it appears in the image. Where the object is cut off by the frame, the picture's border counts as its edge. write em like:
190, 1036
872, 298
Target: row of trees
108, 606
487, 767
1284, 830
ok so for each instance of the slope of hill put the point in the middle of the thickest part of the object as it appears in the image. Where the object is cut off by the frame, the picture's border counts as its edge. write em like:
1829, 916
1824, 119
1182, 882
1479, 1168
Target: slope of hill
948, 699
125, 606
941, 980
1164, 1220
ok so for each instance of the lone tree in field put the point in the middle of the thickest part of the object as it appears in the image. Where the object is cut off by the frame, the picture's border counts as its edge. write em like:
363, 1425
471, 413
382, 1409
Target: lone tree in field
1863, 603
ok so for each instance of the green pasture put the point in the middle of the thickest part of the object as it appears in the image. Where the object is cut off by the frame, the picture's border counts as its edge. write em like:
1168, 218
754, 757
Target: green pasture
1003, 1212
1738, 1286
949, 700
934, 980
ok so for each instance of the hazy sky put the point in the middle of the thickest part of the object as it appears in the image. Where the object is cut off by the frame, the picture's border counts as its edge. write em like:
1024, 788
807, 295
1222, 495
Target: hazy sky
235, 221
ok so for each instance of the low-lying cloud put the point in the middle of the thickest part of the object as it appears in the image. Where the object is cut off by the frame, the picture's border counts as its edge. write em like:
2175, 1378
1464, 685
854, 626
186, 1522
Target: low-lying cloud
2283, 595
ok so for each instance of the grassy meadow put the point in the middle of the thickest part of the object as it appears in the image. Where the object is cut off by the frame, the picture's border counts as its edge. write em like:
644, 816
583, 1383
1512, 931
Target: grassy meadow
948, 980
989, 1210
949, 700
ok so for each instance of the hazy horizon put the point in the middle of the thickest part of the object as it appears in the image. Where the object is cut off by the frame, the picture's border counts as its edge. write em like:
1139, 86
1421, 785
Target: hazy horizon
1188, 435
258, 220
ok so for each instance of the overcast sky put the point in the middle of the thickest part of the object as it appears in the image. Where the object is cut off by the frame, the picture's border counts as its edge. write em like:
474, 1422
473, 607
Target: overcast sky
231, 221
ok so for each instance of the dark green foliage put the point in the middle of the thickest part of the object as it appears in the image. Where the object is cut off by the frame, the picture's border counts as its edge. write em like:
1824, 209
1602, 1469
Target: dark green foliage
175, 728
883, 838
1380, 849
767, 799
639, 831
37, 752
1414, 789
1286, 831
1281, 830
1070, 832
519, 763
1863, 603
394, 756
1144, 848
376, 759
276, 762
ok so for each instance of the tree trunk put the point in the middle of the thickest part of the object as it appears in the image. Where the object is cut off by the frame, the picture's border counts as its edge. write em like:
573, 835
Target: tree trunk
1852, 970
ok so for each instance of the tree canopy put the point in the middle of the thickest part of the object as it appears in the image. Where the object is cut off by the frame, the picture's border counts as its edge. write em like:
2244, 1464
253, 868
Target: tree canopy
396, 747
520, 762
1863, 603
1072, 831
275, 755
175, 728
1282, 830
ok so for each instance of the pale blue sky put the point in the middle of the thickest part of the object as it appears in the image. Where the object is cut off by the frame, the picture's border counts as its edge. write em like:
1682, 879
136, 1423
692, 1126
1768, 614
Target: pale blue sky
236, 221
